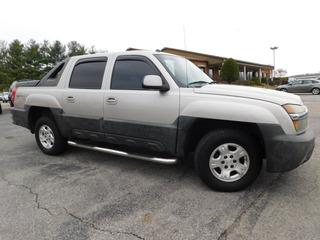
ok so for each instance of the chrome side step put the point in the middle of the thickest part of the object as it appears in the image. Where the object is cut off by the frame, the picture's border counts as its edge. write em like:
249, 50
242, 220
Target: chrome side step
125, 154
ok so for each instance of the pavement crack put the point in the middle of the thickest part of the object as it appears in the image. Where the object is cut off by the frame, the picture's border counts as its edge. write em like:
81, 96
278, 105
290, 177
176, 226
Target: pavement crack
30, 192
92, 225
236, 223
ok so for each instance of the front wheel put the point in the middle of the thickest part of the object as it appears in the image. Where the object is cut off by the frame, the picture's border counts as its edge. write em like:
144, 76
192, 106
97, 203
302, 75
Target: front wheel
315, 91
48, 137
228, 160
283, 90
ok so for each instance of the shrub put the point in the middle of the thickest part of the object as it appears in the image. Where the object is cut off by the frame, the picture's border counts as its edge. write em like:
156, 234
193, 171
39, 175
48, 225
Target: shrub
264, 80
256, 80
229, 71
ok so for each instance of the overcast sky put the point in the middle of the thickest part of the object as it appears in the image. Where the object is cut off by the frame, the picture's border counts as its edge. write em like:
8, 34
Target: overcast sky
241, 29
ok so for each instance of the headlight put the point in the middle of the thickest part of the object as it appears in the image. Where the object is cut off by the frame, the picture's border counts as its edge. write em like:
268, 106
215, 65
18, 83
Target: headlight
298, 115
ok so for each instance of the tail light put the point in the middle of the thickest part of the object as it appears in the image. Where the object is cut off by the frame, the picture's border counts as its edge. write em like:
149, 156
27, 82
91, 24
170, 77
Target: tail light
14, 91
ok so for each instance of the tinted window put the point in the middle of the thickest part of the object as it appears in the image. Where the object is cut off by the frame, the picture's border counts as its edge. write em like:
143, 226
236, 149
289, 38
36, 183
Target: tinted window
307, 81
297, 82
129, 74
87, 75
53, 77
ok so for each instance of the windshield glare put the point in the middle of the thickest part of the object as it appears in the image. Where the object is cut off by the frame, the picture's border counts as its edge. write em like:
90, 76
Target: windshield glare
184, 72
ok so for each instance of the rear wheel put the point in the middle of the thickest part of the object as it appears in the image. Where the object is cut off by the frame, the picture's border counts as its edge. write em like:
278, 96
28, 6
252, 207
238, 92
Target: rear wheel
228, 160
315, 91
48, 137
283, 90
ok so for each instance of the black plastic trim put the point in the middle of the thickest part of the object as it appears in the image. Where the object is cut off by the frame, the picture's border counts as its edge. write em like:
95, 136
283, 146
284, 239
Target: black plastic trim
157, 137
53, 82
92, 59
286, 152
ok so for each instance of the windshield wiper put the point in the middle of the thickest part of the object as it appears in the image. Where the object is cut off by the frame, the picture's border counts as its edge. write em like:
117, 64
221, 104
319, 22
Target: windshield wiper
198, 83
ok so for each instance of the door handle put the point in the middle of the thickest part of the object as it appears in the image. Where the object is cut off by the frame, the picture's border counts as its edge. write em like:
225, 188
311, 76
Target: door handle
70, 99
111, 101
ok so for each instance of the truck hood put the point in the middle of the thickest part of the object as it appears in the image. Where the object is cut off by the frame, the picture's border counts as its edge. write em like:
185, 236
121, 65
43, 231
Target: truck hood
262, 94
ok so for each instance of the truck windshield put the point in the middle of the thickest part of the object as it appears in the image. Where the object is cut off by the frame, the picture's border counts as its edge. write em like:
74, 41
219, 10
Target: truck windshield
184, 72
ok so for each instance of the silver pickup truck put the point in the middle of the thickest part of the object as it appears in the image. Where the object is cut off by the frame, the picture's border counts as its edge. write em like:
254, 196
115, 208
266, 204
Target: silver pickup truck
160, 107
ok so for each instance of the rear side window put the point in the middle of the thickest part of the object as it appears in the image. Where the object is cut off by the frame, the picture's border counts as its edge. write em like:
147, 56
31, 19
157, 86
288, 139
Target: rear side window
88, 73
128, 74
53, 77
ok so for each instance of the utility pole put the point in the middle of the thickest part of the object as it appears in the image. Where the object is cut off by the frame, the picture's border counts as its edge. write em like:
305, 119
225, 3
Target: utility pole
274, 61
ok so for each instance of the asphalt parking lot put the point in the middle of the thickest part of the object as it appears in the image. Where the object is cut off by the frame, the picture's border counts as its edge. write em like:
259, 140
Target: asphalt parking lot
83, 194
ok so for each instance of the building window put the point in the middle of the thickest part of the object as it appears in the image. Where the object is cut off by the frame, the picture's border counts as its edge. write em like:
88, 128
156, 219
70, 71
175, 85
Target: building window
241, 74
211, 74
202, 68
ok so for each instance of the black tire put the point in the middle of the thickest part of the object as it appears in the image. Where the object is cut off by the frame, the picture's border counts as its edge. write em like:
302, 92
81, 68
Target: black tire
232, 170
283, 90
48, 137
315, 91
0, 109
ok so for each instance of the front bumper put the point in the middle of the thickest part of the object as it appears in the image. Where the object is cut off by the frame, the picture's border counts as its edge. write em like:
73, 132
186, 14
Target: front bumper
286, 152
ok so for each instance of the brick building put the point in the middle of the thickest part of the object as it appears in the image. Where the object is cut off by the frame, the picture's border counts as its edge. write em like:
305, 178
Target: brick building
211, 64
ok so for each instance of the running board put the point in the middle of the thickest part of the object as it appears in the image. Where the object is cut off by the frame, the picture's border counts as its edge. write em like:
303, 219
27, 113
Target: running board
125, 154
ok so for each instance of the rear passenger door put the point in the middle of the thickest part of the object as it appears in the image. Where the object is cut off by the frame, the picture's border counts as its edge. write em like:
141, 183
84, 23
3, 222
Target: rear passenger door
136, 116
307, 86
82, 99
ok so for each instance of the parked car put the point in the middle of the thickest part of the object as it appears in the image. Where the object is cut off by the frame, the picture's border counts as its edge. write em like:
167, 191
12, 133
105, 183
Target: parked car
5, 97
301, 86
1, 96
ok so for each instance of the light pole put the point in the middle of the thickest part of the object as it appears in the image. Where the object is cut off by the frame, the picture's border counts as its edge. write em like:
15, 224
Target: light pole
274, 60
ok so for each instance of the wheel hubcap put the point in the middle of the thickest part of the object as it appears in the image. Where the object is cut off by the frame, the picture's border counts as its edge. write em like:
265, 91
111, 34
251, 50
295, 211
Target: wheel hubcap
315, 91
46, 136
229, 162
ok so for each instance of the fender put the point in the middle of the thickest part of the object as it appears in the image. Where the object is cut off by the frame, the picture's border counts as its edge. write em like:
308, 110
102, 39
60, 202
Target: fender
230, 111
42, 100
45, 101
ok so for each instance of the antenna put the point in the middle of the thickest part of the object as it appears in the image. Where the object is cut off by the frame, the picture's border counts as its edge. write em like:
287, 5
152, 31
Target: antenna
185, 52
184, 37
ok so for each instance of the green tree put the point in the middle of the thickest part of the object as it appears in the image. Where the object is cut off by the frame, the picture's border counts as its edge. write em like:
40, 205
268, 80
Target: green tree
15, 61
33, 60
229, 71
57, 52
46, 59
92, 50
3, 60
75, 49
52, 54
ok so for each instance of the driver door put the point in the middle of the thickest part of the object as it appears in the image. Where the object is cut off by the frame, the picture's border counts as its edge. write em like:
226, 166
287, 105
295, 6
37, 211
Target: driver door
136, 116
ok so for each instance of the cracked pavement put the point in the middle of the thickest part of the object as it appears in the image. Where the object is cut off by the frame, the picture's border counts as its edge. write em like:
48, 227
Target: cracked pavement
83, 194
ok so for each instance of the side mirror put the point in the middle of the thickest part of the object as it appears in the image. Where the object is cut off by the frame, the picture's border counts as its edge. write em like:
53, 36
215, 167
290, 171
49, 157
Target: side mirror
154, 82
